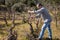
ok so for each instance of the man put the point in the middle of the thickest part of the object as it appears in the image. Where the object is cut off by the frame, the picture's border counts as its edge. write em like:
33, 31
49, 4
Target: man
47, 20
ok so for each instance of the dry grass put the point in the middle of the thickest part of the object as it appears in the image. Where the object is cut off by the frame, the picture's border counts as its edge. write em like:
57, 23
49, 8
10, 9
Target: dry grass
21, 28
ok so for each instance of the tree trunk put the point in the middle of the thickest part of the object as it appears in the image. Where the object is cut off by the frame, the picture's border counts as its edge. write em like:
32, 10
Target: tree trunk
5, 18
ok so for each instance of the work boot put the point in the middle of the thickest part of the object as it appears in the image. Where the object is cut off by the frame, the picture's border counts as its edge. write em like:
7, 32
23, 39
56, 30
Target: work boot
40, 39
48, 38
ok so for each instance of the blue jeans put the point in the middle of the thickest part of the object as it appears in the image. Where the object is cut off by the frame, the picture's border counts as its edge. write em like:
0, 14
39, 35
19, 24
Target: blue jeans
46, 25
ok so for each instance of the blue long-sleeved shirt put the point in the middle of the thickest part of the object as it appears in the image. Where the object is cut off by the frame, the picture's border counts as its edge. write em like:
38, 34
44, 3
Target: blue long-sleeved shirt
44, 12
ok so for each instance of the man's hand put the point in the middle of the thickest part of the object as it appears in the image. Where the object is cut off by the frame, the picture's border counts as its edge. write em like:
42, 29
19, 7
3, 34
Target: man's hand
30, 11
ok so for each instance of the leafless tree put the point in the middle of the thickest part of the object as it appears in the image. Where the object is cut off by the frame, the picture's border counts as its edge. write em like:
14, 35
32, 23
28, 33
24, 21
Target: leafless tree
3, 9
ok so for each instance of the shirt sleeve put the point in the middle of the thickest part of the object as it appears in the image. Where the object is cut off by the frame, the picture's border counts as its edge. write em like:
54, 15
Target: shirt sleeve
39, 11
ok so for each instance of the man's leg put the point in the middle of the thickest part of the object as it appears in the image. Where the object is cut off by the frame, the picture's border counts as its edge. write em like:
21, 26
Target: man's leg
49, 31
43, 29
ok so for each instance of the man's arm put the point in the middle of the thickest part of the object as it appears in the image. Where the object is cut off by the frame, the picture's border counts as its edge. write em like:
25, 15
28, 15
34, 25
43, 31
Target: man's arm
37, 11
